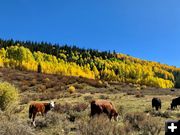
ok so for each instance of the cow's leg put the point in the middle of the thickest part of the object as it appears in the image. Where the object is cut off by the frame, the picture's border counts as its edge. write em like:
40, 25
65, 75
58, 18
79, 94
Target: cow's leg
108, 113
157, 107
92, 113
42, 114
33, 120
95, 110
110, 117
153, 107
34, 123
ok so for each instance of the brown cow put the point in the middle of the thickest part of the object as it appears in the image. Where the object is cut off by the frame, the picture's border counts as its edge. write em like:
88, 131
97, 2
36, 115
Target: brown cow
103, 106
42, 108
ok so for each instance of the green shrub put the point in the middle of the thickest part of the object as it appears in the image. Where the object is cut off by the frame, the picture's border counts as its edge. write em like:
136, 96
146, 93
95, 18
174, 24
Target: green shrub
63, 108
150, 127
88, 98
139, 94
51, 119
8, 95
142, 124
143, 87
166, 114
121, 111
103, 97
134, 119
57, 124
79, 86
13, 125
100, 126
79, 107
138, 88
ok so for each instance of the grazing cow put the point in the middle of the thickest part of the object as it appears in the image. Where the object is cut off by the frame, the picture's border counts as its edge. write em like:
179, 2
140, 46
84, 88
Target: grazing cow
103, 106
156, 102
42, 108
175, 102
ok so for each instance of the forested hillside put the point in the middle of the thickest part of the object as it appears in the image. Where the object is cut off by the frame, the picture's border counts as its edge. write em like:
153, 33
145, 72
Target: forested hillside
89, 63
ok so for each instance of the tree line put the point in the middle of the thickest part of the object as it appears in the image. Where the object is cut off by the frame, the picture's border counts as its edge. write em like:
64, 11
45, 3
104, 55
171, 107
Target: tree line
89, 63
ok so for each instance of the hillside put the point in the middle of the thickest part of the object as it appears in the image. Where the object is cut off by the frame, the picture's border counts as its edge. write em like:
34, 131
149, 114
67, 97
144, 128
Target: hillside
88, 63
72, 95
71, 114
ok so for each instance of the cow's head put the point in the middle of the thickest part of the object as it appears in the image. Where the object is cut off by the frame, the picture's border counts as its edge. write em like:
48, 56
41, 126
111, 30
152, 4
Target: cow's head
172, 106
115, 114
52, 104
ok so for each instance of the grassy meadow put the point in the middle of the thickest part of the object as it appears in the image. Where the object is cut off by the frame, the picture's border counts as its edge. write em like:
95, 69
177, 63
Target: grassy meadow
73, 96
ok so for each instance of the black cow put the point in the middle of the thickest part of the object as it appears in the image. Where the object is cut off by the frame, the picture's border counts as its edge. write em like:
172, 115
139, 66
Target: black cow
156, 102
175, 103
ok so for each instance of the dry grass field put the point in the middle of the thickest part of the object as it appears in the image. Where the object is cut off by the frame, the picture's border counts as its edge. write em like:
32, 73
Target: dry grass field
71, 114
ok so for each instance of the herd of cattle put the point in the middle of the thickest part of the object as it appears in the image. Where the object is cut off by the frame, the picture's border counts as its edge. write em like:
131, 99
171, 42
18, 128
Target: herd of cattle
97, 107
156, 102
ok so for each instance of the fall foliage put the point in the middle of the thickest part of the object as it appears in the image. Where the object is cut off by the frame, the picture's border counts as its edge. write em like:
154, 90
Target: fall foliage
89, 63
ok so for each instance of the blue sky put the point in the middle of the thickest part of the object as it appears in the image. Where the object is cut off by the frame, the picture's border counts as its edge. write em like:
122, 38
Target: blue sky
147, 29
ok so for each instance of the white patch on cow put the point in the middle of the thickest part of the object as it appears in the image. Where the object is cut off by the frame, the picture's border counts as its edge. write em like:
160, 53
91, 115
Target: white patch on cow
52, 104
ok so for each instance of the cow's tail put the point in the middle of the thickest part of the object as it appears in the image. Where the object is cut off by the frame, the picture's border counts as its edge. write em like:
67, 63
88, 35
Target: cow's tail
30, 111
92, 103
92, 107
